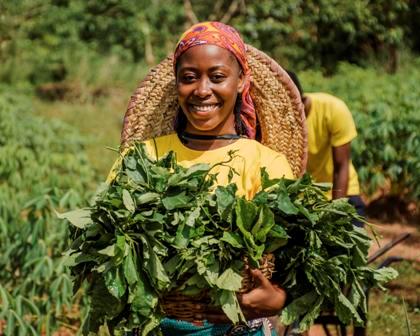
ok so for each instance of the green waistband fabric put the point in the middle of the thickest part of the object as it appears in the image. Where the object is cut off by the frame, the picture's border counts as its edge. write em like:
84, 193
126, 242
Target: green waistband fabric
172, 327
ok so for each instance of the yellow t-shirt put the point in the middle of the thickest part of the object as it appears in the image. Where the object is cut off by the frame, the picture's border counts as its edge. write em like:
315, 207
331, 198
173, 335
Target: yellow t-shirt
249, 158
330, 124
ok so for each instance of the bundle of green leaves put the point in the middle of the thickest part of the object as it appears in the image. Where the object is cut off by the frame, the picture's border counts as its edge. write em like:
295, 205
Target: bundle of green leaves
323, 266
159, 227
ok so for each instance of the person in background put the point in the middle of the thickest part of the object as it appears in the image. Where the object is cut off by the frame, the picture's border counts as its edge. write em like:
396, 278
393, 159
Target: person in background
330, 131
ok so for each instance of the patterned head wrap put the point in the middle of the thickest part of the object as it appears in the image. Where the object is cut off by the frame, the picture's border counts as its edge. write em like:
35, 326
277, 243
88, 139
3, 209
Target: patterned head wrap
228, 38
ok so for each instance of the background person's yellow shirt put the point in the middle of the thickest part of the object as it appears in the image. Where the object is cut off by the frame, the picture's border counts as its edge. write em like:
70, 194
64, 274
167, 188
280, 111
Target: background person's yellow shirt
330, 124
249, 158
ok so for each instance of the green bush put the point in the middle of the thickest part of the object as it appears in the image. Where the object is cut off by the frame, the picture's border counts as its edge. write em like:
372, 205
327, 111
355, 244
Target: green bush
42, 169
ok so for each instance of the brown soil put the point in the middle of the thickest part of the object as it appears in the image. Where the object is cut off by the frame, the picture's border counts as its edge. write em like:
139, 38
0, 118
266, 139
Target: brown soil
408, 249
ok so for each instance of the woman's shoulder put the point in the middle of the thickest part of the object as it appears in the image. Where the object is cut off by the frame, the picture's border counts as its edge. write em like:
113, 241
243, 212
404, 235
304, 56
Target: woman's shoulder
263, 151
276, 163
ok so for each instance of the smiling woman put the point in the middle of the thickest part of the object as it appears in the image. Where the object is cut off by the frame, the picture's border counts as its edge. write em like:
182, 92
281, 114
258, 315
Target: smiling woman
209, 80
211, 100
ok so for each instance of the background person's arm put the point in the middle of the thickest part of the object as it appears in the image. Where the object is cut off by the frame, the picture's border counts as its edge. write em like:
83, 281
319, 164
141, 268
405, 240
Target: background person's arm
341, 164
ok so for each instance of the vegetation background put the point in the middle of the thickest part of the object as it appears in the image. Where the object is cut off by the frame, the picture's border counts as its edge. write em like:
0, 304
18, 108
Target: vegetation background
68, 68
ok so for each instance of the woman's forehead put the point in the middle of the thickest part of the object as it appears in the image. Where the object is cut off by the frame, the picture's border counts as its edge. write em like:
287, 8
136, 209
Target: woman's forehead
207, 56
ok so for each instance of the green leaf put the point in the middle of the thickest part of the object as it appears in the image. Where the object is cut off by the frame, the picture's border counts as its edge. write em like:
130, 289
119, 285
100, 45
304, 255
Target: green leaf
115, 283
345, 310
298, 307
212, 271
199, 169
384, 275
229, 280
309, 318
176, 201
128, 201
266, 182
230, 305
246, 213
145, 300
151, 325
103, 305
264, 224
130, 269
225, 199
182, 237
193, 216
79, 218
233, 239
172, 264
108, 251
120, 247
147, 197
154, 267
196, 280
283, 201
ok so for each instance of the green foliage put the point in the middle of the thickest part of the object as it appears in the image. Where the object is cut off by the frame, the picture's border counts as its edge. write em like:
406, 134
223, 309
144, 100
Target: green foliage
385, 108
40, 41
159, 227
42, 168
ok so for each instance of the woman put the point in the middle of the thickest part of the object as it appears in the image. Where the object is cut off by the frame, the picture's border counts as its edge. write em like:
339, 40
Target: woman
216, 115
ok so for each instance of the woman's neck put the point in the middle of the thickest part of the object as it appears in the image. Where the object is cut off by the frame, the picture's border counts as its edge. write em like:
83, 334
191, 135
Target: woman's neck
203, 145
208, 140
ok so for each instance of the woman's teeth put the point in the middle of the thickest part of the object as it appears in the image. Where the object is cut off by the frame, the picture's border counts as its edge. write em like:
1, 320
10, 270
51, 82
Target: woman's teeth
204, 108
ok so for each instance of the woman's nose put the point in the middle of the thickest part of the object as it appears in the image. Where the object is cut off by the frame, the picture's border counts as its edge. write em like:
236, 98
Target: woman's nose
203, 88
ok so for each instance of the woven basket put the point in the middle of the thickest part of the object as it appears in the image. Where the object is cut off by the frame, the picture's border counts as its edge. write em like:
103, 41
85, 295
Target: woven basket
193, 308
154, 105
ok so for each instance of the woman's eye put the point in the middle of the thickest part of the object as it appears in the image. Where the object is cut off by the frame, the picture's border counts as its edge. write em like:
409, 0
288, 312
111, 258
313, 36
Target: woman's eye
188, 78
218, 77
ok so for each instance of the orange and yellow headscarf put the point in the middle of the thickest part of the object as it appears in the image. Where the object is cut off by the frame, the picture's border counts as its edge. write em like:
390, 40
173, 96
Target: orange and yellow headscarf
224, 36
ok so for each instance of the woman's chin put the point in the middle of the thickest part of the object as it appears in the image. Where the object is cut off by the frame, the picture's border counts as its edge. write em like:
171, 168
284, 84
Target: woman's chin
203, 130
202, 126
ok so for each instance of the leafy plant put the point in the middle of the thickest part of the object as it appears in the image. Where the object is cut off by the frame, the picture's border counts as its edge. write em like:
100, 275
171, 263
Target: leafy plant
42, 167
159, 227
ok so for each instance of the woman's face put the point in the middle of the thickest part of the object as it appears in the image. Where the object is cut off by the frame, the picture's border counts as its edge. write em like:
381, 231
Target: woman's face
209, 79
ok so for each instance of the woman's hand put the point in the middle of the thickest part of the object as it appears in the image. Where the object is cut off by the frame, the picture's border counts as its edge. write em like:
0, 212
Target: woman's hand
265, 300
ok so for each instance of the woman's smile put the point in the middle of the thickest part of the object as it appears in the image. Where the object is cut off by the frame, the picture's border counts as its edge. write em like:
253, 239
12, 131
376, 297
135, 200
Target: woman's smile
203, 109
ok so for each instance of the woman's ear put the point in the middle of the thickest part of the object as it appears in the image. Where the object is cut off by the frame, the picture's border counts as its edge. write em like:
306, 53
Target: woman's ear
241, 82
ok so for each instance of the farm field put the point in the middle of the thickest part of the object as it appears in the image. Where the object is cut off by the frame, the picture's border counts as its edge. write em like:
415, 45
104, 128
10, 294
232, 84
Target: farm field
92, 135
68, 69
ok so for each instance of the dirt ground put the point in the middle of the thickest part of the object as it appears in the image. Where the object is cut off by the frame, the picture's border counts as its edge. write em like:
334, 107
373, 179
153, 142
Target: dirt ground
408, 249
